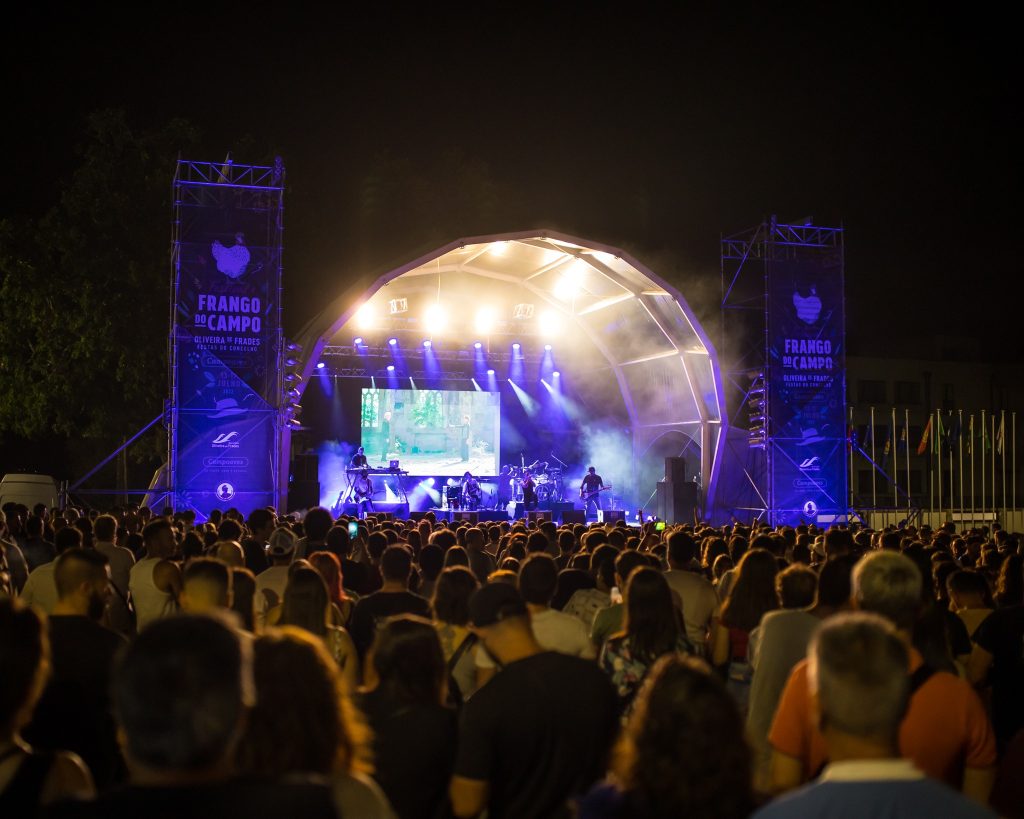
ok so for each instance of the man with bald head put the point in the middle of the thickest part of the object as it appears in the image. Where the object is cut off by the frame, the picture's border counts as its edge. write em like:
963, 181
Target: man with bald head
229, 552
74, 712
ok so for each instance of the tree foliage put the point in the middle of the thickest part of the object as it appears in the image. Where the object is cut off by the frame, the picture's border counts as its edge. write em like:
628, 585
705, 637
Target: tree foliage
84, 291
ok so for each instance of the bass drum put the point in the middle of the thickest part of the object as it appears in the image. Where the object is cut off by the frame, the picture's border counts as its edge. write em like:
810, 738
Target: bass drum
544, 492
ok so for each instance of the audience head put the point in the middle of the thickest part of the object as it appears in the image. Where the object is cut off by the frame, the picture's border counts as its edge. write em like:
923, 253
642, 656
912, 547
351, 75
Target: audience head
302, 722
538, 576
796, 587
243, 596
82, 577
408, 662
396, 564
104, 529
317, 523
180, 694
229, 552
306, 604
205, 586
454, 588
651, 623
858, 669
68, 538
158, 538
683, 751
281, 546
753, 592
25, 660
888, 584
499, 615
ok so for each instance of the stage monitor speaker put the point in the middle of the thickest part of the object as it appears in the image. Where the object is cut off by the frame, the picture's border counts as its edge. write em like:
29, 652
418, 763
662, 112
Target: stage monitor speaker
469, 517
493, 515
675, 470
611, 515
678, 503
559, 508
574, 516
537, 515
303, 495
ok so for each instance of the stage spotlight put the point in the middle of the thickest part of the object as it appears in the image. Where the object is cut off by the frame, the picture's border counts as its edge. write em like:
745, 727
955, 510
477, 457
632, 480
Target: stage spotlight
357, 341
477, 345
393, 341
321, 365
430, 481
547, 348
434, 319
515, 346
556, 374
391, 368
365, 317
426, 344
486, 317
452, 482
548, 323
490, 372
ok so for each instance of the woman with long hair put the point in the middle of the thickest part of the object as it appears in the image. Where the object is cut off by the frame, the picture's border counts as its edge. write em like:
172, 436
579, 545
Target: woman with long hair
751, 596
307, 606
1010, 583
414, 735
455, 585
329, 567
29, 778
303, 723
652, 627
682, 752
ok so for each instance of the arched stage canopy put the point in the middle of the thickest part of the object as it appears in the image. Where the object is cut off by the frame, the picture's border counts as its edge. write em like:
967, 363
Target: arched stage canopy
629, 338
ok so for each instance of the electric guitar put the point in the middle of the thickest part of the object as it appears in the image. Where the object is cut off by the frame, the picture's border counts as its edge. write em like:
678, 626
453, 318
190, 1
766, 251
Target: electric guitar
586, 496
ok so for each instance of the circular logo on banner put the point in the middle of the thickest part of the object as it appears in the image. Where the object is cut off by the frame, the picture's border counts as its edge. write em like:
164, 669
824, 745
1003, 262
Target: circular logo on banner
225, 491
811, 509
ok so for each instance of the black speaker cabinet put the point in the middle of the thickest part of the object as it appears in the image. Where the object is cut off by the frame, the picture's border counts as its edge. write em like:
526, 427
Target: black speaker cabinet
675, 470
574, 516
303, 495
678, 503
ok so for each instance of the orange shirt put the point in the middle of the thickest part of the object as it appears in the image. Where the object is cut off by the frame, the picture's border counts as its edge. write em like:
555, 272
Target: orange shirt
944, 731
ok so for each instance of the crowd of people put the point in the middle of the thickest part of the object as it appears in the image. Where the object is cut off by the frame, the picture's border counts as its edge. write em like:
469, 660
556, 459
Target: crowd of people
152, 665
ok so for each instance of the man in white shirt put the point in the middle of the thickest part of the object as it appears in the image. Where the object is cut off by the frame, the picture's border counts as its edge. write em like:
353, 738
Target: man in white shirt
695, 591
41, 587
121, 561
271, 583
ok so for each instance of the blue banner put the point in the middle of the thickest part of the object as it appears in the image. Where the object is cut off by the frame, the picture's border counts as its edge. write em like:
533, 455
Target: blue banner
806, 388
226, 336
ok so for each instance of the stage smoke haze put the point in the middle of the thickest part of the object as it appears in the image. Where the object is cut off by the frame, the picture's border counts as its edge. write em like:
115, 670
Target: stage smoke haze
608, 447
334, 459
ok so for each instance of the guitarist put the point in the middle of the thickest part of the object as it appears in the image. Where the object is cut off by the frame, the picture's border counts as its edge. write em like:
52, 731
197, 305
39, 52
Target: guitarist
470, 492
363, 491
590, 490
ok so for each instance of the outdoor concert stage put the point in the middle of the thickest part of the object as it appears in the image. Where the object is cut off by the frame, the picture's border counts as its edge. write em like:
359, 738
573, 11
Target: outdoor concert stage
501, 353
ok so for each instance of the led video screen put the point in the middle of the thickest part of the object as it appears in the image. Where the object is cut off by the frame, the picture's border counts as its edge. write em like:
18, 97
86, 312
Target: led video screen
432, 432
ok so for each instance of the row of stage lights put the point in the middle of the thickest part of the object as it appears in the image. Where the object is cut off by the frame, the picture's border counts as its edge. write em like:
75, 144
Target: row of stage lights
486, 320
358, 342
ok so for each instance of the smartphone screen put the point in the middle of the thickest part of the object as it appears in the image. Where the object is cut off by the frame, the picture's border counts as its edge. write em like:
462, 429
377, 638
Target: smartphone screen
659, 526
353, 529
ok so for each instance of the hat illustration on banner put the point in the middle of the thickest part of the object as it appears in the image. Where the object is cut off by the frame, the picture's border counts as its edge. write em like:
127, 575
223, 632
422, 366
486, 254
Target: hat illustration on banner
810, 436
225, 408
807, 309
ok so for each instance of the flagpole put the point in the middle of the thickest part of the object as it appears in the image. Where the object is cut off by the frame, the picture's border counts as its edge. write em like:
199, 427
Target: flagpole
895, 468
931, 470
938, 451
906, 430
874, 470
970, 445
1013, 451
983, 434
851, 453
960, 439
992, 423
1002, 448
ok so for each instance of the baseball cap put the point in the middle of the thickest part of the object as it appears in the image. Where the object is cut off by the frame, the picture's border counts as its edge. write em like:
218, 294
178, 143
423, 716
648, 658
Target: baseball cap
281, 543
495, 602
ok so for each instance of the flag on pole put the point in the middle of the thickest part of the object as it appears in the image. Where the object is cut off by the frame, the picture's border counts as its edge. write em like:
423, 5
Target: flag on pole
1000, 434
954, 433
922, 447
902, 445
970, 436
888, 439
940, 433
869, 433
986, 443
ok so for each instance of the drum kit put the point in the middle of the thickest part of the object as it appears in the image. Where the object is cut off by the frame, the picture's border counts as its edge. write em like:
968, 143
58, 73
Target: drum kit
547, 479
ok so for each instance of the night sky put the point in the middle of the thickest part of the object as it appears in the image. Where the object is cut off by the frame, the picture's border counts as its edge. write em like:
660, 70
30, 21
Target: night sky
652, 130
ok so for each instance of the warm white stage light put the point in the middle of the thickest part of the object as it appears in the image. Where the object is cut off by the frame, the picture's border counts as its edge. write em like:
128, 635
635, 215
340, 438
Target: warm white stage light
365, 317
435, 319
548, 323
486, 318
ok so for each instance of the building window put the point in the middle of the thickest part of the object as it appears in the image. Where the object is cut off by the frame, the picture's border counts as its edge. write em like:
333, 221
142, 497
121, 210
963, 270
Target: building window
870, 392
908, 392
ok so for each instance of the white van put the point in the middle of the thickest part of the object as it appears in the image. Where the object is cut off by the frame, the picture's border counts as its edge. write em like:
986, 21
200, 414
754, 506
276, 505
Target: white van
29, 489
